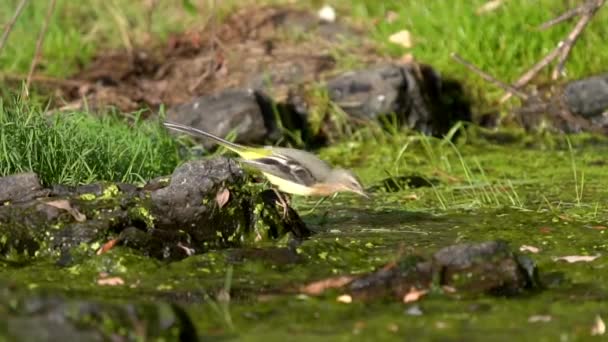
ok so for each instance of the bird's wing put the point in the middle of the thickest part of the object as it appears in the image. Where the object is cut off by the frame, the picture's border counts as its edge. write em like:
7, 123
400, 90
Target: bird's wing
283, 167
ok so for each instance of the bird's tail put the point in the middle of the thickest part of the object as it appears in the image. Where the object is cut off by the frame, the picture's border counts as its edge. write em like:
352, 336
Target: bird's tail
239, 149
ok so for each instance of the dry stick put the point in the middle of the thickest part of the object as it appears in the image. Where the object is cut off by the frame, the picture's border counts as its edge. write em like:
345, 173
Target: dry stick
590, 8
487, 76
569, 42
39, 44
566, 16
11, 23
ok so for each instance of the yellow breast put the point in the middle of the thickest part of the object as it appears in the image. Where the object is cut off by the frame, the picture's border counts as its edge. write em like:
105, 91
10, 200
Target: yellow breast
288, 186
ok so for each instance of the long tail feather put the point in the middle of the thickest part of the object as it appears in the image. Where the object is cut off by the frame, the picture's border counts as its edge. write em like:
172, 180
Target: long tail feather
194, 131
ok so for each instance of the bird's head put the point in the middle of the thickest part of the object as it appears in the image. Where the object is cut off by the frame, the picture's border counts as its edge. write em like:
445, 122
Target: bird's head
345, 180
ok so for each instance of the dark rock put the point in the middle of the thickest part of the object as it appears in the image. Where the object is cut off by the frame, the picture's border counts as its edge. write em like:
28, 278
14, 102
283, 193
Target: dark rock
415, 94
573, 107
19, 187
173, 219
477, 268
36, 317
587, 97
490, 267
231, 111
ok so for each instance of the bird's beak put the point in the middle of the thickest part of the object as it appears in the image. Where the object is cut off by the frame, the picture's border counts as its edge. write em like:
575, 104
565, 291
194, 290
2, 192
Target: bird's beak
363, 194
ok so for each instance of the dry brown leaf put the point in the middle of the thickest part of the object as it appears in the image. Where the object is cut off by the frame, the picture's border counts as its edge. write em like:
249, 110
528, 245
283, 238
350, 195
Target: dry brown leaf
576, 258
320, 286
111, 281
531, 249
403, 38
345, 298
222, 197
489, 6
65, 205
107, 246
599, 327
414, 295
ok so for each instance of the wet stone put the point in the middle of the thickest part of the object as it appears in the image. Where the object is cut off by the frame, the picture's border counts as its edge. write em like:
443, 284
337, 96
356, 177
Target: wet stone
177, 217
19, 187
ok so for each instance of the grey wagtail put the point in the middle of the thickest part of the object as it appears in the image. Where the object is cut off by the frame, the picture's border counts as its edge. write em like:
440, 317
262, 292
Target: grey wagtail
293, 171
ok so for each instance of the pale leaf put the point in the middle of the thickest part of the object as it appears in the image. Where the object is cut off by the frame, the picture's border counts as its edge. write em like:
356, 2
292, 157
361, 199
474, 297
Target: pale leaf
414, 295
403, 38
345, 298
531, 249
111, 281
222, 197
599, 327
320, 286
65, 205
489, 6
576, 258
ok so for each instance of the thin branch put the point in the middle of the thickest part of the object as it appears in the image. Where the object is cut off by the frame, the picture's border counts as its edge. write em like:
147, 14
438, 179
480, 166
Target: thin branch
488, 77
563, 47
566, 16
570, 41
11, 23
39, 44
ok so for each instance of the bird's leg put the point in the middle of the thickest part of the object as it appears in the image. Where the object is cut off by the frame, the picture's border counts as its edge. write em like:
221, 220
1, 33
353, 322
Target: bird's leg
282, 202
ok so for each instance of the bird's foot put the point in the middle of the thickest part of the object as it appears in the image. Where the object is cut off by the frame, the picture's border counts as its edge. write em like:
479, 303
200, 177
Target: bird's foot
282, 202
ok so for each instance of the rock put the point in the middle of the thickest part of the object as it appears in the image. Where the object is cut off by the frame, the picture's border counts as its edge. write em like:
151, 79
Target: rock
490, 267
577, 106
413, 93
587, 97
35, 317
170, 218
19, 187
239, 111
471, 269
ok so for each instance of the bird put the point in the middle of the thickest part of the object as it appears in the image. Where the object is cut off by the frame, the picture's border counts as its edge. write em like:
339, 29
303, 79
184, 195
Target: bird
292, 171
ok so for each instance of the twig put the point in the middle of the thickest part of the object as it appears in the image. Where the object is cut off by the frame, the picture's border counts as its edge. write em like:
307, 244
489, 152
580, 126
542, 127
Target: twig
488, 77
587, 14
11, 23
563, 47
566, 16
39, 44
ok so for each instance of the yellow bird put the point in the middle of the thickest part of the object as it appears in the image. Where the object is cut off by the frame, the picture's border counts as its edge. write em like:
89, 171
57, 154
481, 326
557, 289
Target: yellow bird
292, 171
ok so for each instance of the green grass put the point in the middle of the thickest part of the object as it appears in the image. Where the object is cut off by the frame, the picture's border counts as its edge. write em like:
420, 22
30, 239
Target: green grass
77, 148
80, 29
504, 43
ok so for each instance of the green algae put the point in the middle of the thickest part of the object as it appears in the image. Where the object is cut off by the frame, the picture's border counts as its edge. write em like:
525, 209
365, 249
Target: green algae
477, 179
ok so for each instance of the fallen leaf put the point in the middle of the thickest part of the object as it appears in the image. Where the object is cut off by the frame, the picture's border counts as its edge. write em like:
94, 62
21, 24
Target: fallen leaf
391, 16
545, 230
345, 298
448, 289
599, 327
111, 281
403, 38
65, 205
411, 197
320, 286
489, 6
539, 318
222, 197
107, 246
414, 295
599, 227
531, 249
327, 13
576, 258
